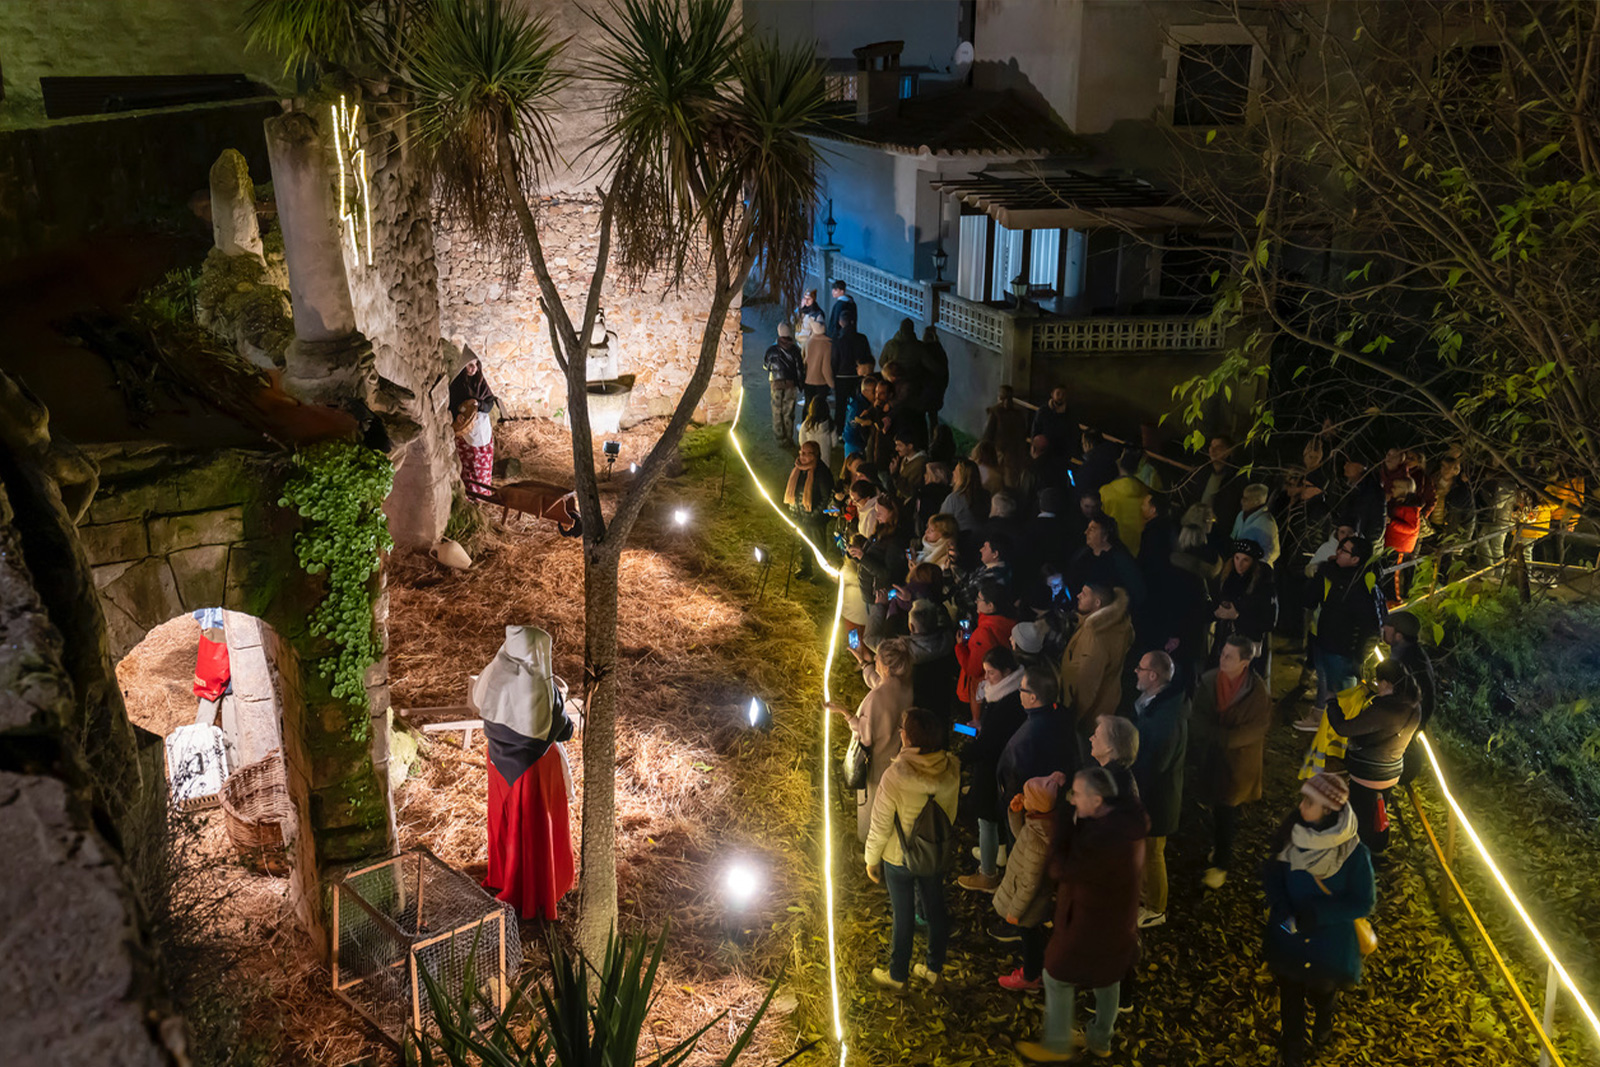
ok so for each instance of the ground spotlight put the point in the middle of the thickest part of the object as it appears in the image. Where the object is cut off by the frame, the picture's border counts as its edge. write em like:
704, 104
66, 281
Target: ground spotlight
741, 882
761, 557
680, 516
633, 468
758, 714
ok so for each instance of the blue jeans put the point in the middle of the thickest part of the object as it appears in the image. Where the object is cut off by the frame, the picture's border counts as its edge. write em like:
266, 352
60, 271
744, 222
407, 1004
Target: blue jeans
988, 847
903, 888
1060, 1007
1335, 673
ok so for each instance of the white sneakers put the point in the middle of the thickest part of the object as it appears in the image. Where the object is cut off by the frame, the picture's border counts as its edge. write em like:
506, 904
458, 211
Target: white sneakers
1148, 918
999, 857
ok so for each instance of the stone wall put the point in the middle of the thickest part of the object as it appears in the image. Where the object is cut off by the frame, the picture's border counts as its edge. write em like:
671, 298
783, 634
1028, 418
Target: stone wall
658, 334
171, 531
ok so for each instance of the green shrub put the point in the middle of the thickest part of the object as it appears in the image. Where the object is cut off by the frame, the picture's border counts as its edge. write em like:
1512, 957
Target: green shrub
1523, 681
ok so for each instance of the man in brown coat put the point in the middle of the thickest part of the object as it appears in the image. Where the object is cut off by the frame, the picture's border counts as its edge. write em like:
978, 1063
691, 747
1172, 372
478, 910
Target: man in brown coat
1234, 707
1091, 667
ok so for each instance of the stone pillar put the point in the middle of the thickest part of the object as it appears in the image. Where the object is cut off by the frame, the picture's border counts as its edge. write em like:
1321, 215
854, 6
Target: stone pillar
328, 362
234, 226
396, 303
1016, 350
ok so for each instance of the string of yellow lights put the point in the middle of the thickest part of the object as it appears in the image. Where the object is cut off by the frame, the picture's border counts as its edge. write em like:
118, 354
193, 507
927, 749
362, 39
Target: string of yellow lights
1505, 887
827, 728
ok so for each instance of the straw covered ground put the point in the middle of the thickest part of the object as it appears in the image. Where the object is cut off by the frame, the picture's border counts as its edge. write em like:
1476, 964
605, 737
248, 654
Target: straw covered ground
696, 788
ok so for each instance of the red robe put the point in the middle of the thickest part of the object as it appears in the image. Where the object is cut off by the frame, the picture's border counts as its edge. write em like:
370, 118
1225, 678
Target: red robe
530, 846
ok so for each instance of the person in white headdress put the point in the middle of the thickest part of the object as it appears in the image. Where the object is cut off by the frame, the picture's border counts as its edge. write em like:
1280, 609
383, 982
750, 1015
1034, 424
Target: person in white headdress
530, 786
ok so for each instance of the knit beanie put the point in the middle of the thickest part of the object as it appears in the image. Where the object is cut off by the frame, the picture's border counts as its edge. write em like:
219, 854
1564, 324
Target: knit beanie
1326, 788
1027, 638
1039, 794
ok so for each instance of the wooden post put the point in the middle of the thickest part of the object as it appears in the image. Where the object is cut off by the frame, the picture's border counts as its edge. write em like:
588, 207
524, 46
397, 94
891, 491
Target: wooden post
420, 865
416, 994
1450, 838
505, 990
334, 953
1552, 986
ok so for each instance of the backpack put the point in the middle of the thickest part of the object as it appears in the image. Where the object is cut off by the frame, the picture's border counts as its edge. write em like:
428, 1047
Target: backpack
931, 847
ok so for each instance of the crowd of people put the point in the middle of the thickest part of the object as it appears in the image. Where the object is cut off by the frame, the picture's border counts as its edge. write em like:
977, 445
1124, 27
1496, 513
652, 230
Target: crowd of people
1070, 640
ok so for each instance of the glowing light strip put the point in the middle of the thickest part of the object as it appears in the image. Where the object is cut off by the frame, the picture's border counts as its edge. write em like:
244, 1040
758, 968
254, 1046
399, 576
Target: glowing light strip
827, 730
345, 127
1505, 887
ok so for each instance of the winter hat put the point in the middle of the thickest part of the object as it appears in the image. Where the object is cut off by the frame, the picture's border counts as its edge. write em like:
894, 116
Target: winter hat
1039, 794
1405, 624
1027, 638
785, 330
1248, 547
1329, 789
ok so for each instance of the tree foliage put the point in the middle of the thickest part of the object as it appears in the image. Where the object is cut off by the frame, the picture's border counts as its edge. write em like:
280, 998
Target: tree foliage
1413, 224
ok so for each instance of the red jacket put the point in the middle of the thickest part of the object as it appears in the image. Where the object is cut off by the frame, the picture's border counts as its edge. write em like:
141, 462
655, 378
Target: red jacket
990, 631
1405, 522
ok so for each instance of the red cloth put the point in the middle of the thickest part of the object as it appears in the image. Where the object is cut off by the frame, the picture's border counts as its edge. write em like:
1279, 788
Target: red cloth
477, 465
530, 846
211, 670
1228, 688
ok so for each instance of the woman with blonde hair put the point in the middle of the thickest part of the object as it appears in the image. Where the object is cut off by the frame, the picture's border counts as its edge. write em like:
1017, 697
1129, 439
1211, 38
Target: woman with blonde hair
817, 427
876, 721
967, 503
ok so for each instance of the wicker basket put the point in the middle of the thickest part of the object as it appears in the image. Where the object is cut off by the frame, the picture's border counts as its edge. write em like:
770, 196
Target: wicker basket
256, 805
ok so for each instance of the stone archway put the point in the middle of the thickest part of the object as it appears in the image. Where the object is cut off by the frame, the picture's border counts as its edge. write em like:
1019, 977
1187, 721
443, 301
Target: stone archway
174, 530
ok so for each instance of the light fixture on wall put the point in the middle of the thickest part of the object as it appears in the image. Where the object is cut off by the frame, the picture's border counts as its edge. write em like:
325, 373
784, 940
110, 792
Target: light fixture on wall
1019, 288
941, 260
830, 224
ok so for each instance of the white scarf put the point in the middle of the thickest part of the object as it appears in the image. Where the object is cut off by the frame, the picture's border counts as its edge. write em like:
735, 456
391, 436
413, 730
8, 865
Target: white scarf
1321, 853
1008, 685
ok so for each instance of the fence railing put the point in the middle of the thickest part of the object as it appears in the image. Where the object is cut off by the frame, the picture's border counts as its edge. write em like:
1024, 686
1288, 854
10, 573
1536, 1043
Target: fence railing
1161, 333
978, 323
890, 290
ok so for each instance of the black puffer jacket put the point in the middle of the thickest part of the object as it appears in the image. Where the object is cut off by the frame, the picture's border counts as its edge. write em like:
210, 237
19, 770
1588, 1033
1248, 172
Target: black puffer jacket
1348, 622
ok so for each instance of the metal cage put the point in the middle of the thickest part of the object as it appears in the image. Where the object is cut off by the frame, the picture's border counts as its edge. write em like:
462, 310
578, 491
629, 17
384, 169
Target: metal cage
411, 918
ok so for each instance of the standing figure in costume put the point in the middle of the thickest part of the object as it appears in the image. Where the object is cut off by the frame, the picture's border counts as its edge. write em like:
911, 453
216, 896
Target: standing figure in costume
470, 401
530, 785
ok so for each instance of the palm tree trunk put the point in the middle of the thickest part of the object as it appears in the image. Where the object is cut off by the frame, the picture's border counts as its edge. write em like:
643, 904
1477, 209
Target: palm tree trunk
597, 889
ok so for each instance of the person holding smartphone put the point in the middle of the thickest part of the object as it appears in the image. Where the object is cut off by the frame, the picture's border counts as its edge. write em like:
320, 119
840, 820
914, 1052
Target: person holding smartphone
991, 629
1000, 714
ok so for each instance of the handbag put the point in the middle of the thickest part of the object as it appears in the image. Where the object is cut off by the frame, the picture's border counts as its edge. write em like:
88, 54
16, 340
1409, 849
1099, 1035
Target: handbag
857, 760
1366, 936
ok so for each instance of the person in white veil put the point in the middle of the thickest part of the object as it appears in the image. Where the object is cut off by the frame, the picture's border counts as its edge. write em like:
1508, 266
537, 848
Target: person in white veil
530, 785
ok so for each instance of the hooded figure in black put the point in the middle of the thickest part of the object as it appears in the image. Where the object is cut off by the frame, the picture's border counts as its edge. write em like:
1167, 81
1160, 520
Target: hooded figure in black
530, 844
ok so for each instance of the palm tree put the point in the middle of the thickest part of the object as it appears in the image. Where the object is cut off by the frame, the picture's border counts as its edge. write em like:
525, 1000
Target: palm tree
706, 165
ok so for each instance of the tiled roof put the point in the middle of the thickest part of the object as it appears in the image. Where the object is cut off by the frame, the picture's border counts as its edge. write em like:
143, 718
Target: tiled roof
1068, 199
962, 122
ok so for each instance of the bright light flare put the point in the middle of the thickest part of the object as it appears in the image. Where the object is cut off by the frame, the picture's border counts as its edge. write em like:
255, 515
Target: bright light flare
758, 714
741, 882
680, 516
760, 555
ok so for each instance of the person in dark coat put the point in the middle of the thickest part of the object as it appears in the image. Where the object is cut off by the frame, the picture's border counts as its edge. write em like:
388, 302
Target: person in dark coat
1097, 866
850, 350
1161, 712
842, 302
1234, 707
1000, 715
1057, 425
935, 378
1043, 744
786, 371
1220, 484
1246, 598
1104, 560
1099, 461
1376, 739
808, 495
1345, 592
1318, 882
1401, 632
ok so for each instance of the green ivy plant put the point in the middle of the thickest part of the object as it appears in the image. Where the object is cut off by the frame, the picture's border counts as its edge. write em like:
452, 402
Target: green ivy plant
339, 488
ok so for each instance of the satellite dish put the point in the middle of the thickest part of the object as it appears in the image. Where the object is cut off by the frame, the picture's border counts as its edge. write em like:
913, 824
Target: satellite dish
961, 61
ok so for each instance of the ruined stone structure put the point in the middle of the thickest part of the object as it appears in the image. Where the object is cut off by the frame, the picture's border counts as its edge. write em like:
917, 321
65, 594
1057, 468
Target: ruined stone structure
658, 334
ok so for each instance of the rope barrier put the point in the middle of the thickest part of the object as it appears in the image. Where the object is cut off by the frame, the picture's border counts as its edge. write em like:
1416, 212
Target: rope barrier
1494, 953
1516, 904
827, 730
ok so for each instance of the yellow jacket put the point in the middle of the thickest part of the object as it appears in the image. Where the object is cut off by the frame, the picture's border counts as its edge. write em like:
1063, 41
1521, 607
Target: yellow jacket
1123, 500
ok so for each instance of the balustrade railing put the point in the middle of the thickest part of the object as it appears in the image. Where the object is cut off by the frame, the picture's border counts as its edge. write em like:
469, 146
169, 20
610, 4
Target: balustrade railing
890, 290
1064, 337
978, 323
